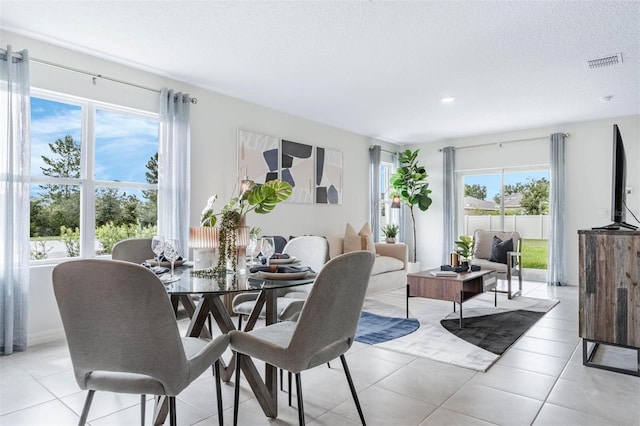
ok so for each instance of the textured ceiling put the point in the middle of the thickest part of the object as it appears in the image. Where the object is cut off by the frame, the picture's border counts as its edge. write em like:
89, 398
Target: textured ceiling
375, 68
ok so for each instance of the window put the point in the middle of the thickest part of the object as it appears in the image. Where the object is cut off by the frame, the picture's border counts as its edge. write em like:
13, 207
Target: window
93, 175
388, 215
509, 200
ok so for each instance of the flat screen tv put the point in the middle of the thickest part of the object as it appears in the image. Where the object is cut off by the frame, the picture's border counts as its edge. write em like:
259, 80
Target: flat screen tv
618, 188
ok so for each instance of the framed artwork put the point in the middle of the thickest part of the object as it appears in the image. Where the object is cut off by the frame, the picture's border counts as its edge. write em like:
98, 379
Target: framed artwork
297, 168
329, 172
258, 156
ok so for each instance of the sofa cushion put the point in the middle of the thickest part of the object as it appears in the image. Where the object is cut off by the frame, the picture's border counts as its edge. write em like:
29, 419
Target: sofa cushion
384, 264
499, 250
352, 241
367, 238
362, 240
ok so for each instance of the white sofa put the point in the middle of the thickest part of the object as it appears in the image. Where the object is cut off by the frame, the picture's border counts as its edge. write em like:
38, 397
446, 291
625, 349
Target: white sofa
389, 269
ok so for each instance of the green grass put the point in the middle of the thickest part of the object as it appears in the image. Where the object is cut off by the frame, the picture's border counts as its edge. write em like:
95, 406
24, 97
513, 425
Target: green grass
534, 253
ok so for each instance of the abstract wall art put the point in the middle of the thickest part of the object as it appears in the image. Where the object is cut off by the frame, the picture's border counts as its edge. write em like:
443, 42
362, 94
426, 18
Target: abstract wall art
329, 172
259, 155
297, 169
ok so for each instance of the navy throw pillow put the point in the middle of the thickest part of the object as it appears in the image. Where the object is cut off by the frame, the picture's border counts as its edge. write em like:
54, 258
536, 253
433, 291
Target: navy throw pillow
499, 250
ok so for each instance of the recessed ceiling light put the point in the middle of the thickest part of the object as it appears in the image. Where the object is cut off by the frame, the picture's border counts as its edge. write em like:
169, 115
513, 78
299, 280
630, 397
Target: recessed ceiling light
606, 98
447, 99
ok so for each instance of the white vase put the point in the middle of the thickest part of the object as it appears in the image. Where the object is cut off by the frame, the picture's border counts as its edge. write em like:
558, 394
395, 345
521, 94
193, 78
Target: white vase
413, 267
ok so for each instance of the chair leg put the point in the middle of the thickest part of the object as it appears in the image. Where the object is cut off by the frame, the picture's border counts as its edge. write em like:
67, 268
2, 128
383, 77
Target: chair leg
173, 419
240, 322
353, 388
85, 409
236, 396
216, 373
143, 407
289, 376
300, 404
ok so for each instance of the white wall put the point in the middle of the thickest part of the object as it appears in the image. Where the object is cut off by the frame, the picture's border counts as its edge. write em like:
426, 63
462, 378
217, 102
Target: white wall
588, 175
216, 118
214, 123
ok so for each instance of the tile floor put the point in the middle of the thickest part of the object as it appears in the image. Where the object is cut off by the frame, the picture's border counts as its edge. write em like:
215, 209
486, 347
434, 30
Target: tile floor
540, 381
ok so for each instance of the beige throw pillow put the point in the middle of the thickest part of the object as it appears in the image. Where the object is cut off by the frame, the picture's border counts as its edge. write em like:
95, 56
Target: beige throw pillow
362, 240
367, 238
352, 241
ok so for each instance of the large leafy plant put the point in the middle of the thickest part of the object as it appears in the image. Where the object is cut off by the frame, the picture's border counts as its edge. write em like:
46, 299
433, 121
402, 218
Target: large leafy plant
259, 198
410, 184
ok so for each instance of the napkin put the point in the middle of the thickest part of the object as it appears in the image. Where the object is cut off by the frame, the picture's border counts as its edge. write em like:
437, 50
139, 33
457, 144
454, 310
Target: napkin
281, 269
263, 259
280, 256
164, 259
158, 270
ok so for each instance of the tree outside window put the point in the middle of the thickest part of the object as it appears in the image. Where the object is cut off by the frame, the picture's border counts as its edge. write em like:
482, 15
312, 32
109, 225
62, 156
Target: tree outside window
110, 197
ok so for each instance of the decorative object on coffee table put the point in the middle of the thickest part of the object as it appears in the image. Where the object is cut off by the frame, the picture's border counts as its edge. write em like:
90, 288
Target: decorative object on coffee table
464, 249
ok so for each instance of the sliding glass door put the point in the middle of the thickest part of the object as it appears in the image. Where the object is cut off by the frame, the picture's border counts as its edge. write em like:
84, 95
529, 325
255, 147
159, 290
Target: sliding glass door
508, 199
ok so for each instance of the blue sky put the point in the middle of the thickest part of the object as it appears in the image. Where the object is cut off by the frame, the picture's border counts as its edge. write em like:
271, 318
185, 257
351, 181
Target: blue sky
124, 142
492, 181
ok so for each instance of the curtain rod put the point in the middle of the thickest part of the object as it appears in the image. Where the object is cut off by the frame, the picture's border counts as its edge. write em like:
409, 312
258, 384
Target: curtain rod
91, 74
383, 150
499, 144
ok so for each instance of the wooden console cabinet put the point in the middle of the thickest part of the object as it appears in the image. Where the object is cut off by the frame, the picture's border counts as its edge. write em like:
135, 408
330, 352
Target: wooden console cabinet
609, 279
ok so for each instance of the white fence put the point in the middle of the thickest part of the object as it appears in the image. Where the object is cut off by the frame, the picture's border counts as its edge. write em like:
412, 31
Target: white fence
528, 226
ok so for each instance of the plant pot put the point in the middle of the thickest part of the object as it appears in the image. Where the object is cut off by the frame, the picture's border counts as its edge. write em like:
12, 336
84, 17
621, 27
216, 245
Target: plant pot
390, 240
413, 267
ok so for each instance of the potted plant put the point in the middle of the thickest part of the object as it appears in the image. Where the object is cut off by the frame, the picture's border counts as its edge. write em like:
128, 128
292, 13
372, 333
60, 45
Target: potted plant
464, 249
260, 198
390, 232
410, 183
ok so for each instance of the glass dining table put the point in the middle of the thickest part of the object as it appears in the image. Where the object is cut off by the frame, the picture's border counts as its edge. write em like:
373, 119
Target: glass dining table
203, 294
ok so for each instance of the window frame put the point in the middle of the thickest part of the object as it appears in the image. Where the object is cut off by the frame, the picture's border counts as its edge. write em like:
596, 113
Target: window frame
87, 181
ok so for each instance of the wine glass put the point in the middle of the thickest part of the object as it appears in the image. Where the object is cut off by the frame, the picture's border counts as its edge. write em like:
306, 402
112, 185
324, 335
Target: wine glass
251, 247
172, 251
268, 247
157, 246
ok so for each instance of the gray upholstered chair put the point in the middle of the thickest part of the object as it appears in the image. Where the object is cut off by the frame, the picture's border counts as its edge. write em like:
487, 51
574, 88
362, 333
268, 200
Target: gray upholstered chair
487, 251
324, 330
313, 251
135, 250
123, 336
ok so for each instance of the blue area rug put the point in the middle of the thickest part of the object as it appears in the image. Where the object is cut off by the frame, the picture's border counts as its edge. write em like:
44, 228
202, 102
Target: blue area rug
374, 328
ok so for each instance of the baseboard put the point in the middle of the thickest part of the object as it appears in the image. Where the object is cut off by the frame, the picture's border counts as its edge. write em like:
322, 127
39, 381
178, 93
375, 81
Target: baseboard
45, 337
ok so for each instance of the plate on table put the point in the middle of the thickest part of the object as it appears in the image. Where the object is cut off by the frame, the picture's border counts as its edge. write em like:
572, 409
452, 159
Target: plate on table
166, 263
282, 275
282, 261
168, 279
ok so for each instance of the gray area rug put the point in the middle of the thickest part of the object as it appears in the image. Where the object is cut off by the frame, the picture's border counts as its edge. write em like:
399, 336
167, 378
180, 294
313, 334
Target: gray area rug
432, 340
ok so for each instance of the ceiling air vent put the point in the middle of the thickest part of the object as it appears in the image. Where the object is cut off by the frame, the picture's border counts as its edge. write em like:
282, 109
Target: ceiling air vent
605, 61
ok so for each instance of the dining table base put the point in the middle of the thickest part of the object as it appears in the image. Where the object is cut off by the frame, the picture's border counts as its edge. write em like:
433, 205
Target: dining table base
266, 392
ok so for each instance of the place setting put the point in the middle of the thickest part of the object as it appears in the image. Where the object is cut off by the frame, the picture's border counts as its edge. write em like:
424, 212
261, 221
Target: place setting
167, 258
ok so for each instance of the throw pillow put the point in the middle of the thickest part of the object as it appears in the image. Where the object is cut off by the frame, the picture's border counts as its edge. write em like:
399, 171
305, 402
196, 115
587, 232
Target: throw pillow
367, 238
499, 249
352, 241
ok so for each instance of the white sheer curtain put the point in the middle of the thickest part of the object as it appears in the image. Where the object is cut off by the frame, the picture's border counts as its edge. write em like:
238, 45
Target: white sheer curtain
374, 191
173, 167
15, 163
556, 268
449, 203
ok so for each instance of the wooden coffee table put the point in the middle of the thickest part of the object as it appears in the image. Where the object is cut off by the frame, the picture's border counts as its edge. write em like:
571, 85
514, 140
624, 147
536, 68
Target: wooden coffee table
456, 288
